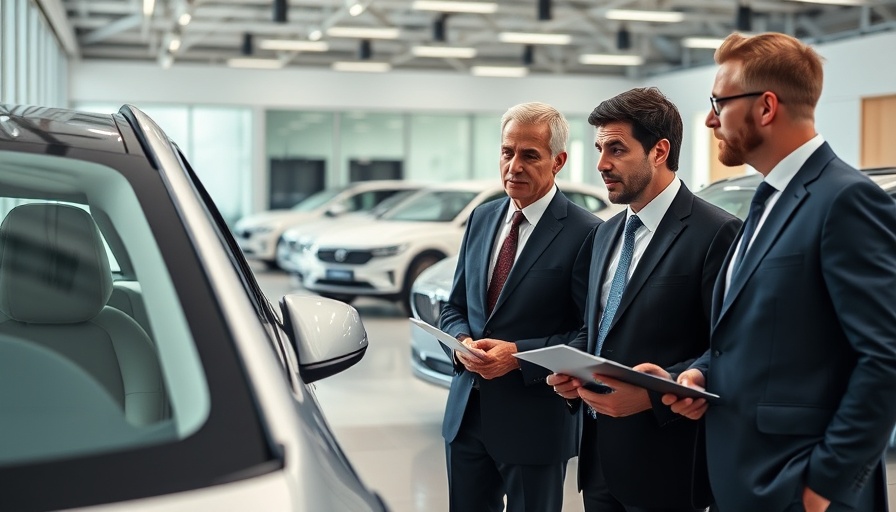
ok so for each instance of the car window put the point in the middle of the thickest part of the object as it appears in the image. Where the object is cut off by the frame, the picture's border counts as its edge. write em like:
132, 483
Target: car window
316, 200
586, 201
734, 200
431, 206
122, 387
367, 201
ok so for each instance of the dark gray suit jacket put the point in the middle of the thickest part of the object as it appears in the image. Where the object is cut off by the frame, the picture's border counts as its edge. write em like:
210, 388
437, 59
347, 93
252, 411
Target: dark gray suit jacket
803, 349
523, 420
653, 458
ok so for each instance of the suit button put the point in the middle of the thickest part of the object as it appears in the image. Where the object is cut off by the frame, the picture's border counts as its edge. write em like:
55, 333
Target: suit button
716, 353
487, 333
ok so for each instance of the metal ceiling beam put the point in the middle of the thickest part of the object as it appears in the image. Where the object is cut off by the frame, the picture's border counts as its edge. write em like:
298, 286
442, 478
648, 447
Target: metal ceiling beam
58, 19
115, 27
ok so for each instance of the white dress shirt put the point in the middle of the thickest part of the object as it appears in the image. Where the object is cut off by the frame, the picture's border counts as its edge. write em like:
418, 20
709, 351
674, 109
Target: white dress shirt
533, 214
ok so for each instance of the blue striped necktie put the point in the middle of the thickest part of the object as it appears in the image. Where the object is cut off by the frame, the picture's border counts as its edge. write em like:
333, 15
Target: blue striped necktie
620, 278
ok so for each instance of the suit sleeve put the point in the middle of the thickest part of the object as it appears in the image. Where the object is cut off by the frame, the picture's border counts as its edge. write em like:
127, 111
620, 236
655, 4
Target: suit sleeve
533, 373
858, 262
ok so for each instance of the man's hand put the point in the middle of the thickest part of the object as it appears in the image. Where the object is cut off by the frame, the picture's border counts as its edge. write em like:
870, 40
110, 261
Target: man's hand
625, 399
688, 407
564, 385
498, 358
814, 502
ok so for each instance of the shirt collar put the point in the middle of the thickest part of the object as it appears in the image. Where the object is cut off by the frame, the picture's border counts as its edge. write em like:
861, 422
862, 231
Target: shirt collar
653, 212
534, 211
781, 174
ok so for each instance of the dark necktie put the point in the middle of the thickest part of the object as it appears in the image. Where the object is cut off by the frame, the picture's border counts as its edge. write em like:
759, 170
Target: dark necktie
757, 205
505, 260
620, 278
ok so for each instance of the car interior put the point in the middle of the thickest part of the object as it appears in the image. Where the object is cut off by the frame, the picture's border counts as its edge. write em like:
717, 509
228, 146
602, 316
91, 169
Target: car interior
91, 360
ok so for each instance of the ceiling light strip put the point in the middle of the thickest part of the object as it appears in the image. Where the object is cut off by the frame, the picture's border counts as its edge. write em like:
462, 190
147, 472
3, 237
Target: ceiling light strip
600, 59
534, 38
292, 45
652, 16
364, 32
457, 52
251, 63
500, 71
363, 67
702, 42
468, 7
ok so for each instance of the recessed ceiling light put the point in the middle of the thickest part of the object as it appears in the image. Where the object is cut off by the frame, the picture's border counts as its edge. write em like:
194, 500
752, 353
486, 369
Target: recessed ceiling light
363, 32
834, 2
292, 45
364, 67
534, 38
599, 59
655, 16
471, 7
459, 52
500, 71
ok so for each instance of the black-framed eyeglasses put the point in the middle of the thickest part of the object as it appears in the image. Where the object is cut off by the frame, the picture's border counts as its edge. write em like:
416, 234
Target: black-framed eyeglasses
715, 102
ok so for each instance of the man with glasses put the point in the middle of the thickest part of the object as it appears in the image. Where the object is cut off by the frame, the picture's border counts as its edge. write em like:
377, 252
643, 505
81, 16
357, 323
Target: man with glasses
803, 343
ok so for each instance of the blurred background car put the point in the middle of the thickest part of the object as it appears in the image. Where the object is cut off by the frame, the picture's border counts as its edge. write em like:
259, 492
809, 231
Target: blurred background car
141, 365
384, 257
260, 234
297, 239
430, 291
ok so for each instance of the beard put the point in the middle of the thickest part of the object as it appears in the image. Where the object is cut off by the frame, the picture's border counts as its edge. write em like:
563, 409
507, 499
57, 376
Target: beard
633, 184
733, 151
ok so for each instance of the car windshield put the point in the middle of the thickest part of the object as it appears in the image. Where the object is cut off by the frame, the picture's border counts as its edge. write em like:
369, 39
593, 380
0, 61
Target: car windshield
391, 202
316, 200
90, 361
431, 206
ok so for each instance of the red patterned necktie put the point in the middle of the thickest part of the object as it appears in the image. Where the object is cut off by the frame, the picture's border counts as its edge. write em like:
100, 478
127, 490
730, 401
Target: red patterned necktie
505, 260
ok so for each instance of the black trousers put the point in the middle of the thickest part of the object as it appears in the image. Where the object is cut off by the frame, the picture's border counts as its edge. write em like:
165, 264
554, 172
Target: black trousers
478, 483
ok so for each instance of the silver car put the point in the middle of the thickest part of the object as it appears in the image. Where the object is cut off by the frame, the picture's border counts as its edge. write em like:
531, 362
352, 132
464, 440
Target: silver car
141, 366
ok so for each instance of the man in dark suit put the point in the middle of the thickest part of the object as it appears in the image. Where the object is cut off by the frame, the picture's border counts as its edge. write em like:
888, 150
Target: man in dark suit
803, 344
651, 304
506, 433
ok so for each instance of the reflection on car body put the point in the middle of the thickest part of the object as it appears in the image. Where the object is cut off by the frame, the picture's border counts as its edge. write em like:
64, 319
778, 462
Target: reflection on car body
141, 366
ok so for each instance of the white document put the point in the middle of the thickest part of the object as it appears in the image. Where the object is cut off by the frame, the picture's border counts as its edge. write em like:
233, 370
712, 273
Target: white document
581, 365
446, 339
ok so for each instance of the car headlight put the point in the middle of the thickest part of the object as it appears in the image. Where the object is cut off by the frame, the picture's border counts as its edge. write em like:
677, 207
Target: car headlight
392, 250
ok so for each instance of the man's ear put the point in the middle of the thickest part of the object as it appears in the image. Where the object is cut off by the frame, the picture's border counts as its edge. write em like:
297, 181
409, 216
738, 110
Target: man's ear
559, 162
769, 108
661, 152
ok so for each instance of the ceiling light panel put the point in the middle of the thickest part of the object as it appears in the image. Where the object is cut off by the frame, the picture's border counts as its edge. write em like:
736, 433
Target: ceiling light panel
470, 7
292, 45
364, 32
362, 67
600, 59
457, 52
534, 38
702, 42
653, 16
500, 71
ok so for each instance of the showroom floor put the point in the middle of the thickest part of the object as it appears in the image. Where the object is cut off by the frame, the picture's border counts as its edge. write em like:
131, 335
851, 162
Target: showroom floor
389, 422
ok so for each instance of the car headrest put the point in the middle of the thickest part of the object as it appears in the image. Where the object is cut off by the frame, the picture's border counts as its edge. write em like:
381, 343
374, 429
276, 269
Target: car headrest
53, 265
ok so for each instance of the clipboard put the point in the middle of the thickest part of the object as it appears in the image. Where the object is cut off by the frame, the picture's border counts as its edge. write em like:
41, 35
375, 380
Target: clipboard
581, 365
444, 338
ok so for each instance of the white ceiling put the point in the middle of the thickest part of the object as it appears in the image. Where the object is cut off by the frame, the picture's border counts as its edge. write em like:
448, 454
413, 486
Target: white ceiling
119, 30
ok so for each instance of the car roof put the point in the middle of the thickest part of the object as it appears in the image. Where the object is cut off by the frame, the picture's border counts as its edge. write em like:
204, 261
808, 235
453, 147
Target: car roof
59, 129
885, 177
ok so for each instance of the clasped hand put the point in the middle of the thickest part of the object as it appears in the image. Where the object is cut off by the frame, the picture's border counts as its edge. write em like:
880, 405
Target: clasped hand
493, 358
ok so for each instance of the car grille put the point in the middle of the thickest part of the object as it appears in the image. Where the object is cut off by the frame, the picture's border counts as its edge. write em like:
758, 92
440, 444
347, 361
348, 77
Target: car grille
436, 365
426, 310
344, 256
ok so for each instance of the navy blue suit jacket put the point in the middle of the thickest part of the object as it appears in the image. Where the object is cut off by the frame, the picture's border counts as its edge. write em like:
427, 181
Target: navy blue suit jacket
523, 420
651, 459
803, 348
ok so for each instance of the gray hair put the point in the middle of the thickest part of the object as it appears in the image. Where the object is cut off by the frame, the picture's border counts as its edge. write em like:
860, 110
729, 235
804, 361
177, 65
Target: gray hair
537, 113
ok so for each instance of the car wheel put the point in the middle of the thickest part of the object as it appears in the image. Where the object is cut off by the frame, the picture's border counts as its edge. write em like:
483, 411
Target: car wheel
420, 263
341, 297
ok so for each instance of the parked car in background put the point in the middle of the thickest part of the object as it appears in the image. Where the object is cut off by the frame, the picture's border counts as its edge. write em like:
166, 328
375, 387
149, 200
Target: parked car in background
141, 366
384, 257
430, 291
297, 239
260, 234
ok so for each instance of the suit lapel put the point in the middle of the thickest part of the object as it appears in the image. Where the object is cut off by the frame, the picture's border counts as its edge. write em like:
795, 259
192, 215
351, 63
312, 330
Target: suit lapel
791, 198
484, 244
672, 224
545, 231
606, 238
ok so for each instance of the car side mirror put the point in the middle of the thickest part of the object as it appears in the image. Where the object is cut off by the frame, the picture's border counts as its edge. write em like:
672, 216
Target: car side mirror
336, 210
328, 335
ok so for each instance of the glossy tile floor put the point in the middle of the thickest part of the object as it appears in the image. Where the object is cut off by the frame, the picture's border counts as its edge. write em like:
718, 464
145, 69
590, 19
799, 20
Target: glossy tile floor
389, 422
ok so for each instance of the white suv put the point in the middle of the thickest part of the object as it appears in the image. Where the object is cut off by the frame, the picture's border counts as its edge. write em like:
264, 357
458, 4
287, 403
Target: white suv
383, 257
260, 234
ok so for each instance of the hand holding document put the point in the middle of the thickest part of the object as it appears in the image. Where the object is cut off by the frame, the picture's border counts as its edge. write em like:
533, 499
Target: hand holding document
581, 365
448, 340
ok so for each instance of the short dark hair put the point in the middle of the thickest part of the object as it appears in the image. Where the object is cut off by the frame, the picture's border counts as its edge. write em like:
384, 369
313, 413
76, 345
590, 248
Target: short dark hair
651, 115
